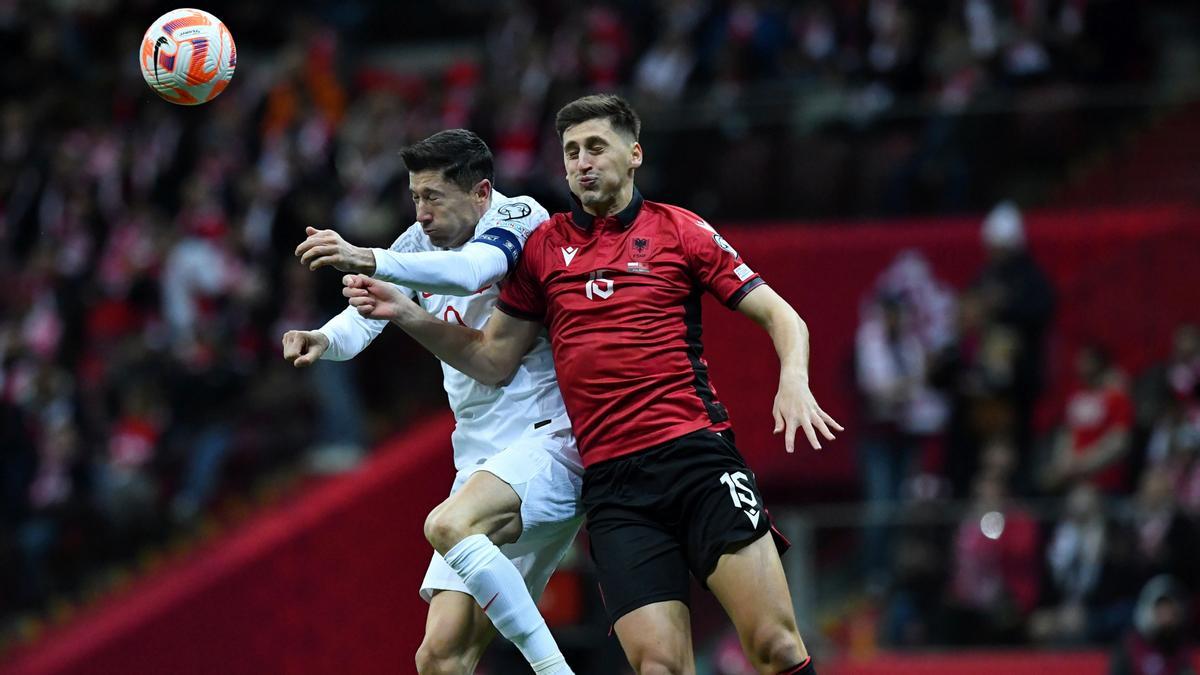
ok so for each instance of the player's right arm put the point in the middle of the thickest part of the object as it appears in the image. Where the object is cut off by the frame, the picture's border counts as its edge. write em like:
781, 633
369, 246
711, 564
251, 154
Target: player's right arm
340, 339
490, 356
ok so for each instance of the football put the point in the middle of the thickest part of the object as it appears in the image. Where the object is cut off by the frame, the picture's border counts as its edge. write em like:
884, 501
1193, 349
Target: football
188, 56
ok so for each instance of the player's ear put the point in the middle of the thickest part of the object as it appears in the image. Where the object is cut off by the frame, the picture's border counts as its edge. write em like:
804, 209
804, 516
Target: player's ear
483, 190
635, 159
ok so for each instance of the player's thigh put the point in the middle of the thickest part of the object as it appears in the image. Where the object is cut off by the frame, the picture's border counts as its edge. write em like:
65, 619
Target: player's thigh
657, 638
456, 631
750, 584
485, 504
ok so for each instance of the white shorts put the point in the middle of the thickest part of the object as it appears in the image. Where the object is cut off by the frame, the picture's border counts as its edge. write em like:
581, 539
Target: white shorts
543, 468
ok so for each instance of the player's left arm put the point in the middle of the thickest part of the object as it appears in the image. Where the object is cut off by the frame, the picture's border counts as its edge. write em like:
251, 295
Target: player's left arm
795, 406
481, 262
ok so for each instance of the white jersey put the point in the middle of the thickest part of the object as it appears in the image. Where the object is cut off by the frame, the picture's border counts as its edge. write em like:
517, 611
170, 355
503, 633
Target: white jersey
488, 419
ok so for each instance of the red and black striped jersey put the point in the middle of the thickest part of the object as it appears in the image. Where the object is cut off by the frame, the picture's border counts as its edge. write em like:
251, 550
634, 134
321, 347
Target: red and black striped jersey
620, 296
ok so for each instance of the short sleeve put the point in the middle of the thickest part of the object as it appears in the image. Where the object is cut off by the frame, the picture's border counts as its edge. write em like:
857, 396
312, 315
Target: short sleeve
521, 294
715, 263
508, 226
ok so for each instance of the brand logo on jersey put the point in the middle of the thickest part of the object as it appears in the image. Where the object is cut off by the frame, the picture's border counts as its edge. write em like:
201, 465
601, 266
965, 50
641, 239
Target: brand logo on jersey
742, 495
569, 254
724, 245
597, 287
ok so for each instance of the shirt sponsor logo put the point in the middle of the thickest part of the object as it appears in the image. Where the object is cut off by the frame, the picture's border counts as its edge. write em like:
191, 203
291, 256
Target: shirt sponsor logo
743, 272
638, 267
569, 254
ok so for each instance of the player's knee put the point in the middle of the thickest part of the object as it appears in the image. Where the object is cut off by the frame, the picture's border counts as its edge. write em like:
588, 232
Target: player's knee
776, 647
434, 661
444, 528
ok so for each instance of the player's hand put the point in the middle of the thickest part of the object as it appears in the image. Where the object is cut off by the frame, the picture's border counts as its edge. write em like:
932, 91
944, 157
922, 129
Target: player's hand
325, 248
796, 408
303, 347
375, 299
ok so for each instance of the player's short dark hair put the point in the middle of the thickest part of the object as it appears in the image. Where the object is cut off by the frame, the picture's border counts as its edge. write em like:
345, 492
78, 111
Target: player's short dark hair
461, 155
599, 106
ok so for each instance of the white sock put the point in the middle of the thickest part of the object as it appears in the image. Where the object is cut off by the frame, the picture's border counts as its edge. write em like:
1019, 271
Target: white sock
499, 589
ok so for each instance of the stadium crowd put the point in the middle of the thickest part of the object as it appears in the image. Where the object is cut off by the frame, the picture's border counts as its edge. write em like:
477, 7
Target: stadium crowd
1121, 465
146, 251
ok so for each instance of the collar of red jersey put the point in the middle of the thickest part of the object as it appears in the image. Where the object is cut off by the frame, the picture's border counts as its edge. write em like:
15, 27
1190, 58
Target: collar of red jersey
584, 220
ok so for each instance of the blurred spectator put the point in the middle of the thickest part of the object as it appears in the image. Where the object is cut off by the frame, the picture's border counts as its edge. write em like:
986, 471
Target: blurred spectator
977, 373
994, 581
1091, 576
899, 408
1168, 404
1158, 643
1094, 441
1166, 541
918, 565
1017, 295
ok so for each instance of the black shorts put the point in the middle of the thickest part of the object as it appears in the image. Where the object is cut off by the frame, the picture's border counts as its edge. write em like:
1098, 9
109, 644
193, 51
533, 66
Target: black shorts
674, 508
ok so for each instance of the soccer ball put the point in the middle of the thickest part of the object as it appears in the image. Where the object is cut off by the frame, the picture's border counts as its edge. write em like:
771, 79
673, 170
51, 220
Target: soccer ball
188, 56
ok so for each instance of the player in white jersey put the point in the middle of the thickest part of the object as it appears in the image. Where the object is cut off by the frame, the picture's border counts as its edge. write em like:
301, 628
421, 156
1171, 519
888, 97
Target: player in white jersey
514, 506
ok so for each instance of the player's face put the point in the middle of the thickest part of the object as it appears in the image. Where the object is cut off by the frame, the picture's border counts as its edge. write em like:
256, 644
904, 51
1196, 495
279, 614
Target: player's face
447, 213
600, 163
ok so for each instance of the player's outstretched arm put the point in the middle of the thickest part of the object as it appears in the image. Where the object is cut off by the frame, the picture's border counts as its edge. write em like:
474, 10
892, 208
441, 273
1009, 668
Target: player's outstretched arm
490, 356
460, 272
323, 248
795, 406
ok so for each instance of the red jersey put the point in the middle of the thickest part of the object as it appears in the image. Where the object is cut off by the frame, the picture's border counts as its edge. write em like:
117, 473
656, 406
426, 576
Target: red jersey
1091, 415
620, 296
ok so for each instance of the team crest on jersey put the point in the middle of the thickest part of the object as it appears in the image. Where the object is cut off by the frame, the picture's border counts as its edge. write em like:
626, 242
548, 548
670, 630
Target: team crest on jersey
639, 248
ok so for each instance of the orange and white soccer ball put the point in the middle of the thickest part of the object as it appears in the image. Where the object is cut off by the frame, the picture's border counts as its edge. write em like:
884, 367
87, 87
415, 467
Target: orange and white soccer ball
188, 56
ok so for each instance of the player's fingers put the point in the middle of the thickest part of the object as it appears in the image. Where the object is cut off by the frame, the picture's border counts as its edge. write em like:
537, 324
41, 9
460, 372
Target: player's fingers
355, 292
310, 230
789, 434
820, 425
325, 261
351, 281
830, 421
305, 360
314, 239
812, 435
291, 347
315, 253
778, 420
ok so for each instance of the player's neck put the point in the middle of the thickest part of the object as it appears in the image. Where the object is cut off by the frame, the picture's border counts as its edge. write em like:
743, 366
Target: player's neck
618, 204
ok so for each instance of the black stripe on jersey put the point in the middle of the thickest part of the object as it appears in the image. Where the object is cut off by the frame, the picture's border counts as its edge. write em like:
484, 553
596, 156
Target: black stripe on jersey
516, 313
505, 241
740, 293
695, 352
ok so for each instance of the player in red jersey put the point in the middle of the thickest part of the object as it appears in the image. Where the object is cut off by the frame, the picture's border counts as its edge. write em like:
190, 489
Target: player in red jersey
618, 283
